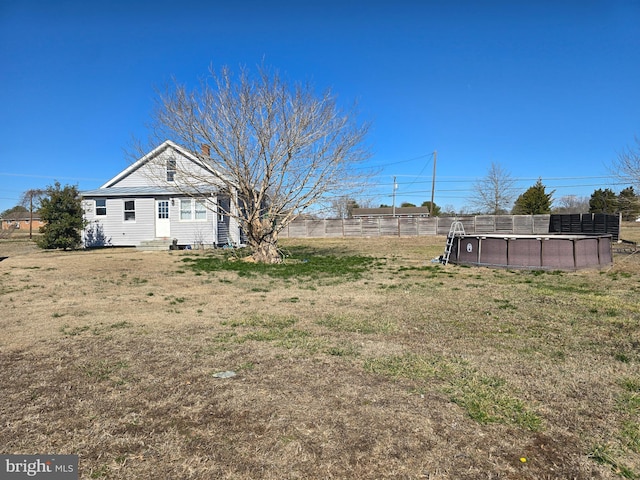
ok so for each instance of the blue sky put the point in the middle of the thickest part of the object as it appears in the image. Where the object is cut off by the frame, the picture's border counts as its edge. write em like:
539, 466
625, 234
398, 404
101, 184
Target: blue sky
546, 89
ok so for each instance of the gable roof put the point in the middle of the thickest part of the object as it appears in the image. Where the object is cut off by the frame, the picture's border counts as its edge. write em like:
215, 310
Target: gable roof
149, 156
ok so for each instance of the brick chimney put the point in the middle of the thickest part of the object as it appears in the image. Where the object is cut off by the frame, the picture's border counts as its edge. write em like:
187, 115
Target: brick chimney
206, 150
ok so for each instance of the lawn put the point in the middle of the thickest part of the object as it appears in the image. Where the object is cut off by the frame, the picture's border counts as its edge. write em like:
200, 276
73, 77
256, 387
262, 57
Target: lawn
357, 358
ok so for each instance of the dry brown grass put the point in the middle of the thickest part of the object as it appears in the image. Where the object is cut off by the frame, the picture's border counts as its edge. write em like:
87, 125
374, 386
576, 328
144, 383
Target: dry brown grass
110, 354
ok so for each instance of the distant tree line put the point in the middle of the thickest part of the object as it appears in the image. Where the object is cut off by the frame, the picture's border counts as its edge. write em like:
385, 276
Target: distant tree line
627, 203
494, 194
536, 200
61, 210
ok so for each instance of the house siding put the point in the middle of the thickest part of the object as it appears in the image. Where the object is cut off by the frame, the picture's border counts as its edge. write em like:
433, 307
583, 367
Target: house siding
155, 172
121, 233
152, 173
193, 232
116, 230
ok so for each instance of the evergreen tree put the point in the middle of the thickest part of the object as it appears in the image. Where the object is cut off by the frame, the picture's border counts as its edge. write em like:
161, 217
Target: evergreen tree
16, 209
534, 201
629, 204
603, 201
61, 210
436, 209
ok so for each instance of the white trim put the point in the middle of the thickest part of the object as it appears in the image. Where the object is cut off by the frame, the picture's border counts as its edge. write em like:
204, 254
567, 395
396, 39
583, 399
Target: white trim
102, 207
124, 211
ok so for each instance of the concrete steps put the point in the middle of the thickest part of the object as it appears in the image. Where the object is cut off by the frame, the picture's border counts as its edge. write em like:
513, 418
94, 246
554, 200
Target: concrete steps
155, 244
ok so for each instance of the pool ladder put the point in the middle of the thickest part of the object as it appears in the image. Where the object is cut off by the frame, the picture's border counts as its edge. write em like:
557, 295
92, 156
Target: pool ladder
456, 230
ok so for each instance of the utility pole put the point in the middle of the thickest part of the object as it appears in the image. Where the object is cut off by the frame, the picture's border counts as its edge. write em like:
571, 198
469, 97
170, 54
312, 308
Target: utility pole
395, 186
433, 182
28, 197
31, 216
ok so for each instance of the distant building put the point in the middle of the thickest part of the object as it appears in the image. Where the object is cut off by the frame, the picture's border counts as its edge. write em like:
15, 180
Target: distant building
20, 221
390, 212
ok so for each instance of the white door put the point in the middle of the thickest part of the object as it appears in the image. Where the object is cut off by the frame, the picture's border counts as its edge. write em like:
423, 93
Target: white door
163, 224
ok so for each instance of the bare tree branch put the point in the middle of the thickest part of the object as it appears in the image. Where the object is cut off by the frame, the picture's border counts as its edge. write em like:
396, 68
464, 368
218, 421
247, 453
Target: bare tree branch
494, 193
627, 165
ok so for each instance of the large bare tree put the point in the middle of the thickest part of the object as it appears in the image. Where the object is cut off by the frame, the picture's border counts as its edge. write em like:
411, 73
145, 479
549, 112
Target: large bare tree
281, 148
627, 165
495, 192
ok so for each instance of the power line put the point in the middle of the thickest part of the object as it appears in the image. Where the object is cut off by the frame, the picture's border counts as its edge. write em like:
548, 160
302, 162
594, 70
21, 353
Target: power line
29, 175
608, 181
423, 168
403, 161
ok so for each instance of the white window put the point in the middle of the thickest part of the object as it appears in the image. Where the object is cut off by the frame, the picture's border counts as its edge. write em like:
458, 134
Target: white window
101, 206
171, 169
130, 211
191, 209
200, 210
185, 209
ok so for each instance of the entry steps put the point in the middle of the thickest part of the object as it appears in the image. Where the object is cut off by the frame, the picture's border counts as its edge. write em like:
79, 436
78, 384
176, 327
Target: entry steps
155, 244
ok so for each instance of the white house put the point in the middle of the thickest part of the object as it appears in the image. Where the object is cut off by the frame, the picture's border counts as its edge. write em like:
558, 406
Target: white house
164, 196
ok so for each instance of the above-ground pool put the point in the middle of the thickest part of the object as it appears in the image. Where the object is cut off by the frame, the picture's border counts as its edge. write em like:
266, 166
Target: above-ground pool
554, 252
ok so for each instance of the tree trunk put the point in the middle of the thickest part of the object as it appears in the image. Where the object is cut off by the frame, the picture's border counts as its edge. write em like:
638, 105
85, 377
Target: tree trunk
266, 251
263, 240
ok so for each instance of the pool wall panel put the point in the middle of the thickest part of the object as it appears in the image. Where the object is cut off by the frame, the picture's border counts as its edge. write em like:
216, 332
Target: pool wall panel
562, 252
558, 253
524, 252
467, 249
493, 251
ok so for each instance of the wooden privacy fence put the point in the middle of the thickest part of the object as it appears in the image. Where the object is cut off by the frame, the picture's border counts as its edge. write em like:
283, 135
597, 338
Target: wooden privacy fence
415, 226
